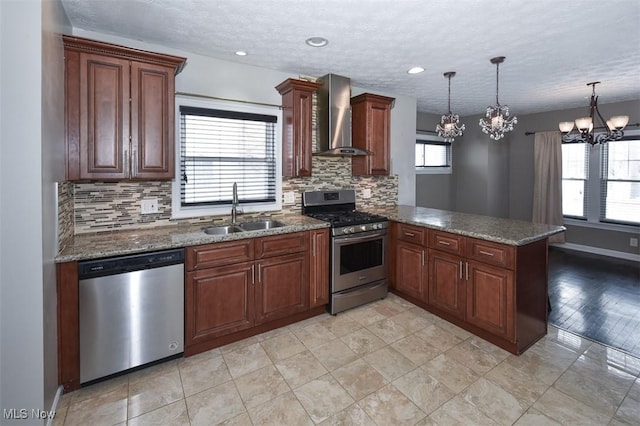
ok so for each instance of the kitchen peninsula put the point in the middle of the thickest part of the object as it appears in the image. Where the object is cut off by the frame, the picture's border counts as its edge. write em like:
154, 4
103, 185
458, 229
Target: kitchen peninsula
485, 274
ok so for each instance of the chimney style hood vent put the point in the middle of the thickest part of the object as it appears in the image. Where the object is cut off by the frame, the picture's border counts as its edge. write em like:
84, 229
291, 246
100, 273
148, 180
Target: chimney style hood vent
334, 117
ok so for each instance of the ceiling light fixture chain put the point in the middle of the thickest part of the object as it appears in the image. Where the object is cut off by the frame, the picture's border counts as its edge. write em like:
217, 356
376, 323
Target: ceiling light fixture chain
449, 127
585, 126
497, 121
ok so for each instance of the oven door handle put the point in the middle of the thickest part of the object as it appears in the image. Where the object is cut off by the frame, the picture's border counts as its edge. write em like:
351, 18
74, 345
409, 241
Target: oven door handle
354, 238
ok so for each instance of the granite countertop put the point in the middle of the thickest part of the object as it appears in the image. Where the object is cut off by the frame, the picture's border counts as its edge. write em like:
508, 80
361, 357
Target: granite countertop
505, 231
117, 243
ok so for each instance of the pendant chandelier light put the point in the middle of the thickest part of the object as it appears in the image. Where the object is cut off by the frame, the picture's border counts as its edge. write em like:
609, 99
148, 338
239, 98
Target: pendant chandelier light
585, 125
497, 122
449, 126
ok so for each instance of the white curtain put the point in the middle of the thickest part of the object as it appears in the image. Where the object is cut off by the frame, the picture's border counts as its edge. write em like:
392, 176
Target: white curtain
547, 185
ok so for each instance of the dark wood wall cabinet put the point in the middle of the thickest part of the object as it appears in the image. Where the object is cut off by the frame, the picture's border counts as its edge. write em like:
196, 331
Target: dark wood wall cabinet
119, 110
371, 127
297, 127
496, 291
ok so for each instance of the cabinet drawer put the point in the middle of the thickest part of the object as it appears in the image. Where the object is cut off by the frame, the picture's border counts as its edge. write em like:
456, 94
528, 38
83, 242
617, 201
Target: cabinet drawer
492, 253
219, 254
446, 241
280, 244
412, 234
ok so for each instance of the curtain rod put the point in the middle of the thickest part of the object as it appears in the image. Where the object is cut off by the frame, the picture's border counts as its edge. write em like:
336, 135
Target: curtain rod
227, 99
596, 128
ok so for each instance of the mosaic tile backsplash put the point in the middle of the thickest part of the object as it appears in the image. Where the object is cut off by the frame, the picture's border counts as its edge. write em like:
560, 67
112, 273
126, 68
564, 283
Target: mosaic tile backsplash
101, 206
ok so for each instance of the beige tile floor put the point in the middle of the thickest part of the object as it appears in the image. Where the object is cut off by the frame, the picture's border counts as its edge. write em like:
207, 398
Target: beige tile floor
387, 363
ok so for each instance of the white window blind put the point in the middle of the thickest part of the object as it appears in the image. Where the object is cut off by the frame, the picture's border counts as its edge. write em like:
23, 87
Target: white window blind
575, 174
433, 154
620, 190
218, 148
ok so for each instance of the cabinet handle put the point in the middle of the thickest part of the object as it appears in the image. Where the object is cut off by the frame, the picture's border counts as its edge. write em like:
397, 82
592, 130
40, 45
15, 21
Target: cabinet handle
486, 253
422, 257
313, 246
125, 162
259, 273
253, 274
444, 243
297, 165
134, 163
461, 269
409, 234
466, 270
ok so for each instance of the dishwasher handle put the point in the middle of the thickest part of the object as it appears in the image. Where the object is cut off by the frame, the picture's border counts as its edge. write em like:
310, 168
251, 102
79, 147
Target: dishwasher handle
123, 264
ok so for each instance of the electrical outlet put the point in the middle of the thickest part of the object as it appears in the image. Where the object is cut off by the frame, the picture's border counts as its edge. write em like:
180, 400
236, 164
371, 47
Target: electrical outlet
289, 198
633, 242
366, 193
149, 205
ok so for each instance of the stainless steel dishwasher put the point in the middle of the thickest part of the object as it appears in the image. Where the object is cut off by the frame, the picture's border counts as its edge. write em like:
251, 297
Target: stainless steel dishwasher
131, 311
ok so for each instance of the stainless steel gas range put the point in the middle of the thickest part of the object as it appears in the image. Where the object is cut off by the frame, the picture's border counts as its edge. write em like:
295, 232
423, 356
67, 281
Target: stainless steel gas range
358, 248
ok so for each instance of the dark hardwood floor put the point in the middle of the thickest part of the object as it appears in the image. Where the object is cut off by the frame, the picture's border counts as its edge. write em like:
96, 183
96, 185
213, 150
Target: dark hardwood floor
597, 297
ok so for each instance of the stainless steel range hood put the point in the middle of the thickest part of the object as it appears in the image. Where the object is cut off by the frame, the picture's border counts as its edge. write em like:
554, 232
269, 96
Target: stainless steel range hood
334, 117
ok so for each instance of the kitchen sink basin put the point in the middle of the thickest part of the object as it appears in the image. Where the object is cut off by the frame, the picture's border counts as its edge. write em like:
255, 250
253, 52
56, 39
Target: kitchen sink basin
222, 230
261, 225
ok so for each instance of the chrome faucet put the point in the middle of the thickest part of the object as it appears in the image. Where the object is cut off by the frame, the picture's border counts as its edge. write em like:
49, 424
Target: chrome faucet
234, 204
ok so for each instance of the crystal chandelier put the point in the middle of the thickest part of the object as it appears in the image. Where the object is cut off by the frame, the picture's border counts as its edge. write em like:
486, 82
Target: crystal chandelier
449, 126
585, 128
497, 122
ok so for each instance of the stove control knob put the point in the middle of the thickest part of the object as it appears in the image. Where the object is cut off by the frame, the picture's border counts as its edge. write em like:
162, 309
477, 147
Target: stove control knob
363, 227
351, 230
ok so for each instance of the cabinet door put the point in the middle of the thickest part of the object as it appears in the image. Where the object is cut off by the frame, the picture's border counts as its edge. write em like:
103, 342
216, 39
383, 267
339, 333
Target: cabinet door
319, 268
218, 301
446, 286
104, 117
371, 130
490, 299
282, 287
297, 143
411, 270
152, 88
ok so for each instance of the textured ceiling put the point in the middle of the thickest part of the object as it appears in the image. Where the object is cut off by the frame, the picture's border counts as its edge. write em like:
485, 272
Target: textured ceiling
553, 47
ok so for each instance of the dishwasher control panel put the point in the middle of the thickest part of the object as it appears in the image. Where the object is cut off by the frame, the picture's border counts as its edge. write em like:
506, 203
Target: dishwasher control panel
134, 262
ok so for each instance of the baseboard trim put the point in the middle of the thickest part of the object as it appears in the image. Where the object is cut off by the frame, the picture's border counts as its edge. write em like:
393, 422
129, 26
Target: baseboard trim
597, 250
55, 404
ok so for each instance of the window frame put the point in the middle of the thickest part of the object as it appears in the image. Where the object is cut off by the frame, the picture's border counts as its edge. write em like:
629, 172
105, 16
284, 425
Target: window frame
594, 187
604, 168
178, 211
586, 192
431, 170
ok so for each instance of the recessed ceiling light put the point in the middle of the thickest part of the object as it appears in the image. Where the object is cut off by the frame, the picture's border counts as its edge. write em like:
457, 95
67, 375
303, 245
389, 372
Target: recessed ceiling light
241, 53
317, 41
415, 70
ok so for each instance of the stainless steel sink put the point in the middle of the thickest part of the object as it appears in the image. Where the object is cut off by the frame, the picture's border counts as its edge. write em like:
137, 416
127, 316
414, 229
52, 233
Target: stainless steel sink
261, 225
222, 230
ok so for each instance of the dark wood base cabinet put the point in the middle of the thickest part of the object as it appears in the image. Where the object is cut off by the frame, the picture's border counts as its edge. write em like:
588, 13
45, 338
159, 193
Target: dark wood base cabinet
495, 291
233, 290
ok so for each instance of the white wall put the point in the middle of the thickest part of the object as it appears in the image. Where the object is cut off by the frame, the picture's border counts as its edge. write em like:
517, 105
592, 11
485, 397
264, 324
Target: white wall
21, 259
32, 140
232, 80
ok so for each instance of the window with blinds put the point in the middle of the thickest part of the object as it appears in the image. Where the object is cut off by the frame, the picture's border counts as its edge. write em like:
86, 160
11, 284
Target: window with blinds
218, 148
620, 182
575, 175
220, 142
432, 154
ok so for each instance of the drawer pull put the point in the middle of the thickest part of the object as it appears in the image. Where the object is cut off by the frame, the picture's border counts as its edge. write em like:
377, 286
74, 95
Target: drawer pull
444, 243
486, 253
409, 234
